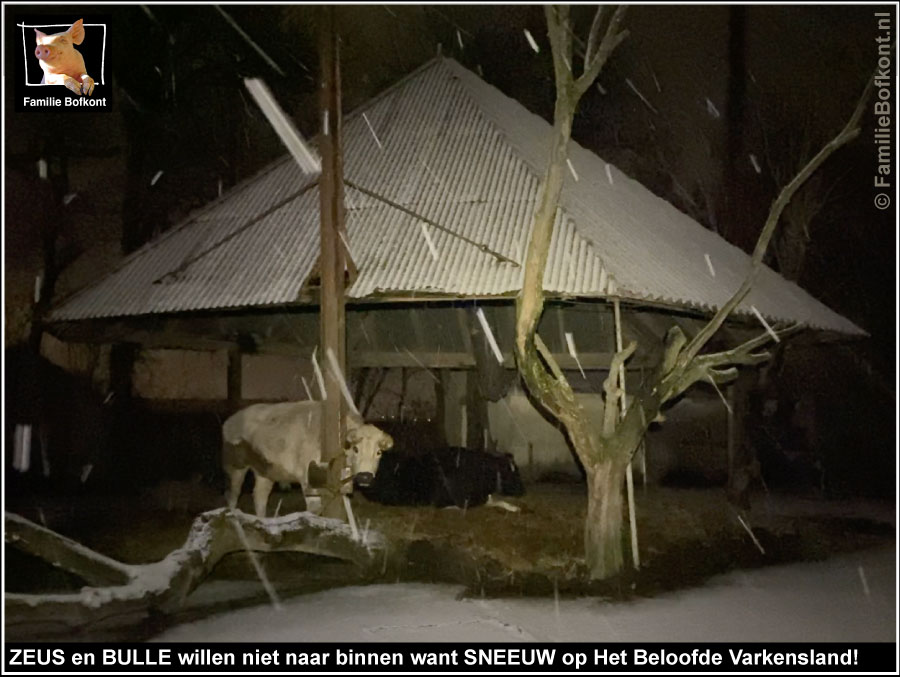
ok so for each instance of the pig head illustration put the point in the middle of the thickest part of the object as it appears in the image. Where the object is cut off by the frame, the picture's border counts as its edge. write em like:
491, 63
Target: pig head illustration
61, 62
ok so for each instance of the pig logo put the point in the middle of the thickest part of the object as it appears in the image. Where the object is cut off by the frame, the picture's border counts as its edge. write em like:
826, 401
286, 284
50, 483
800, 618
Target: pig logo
61, 62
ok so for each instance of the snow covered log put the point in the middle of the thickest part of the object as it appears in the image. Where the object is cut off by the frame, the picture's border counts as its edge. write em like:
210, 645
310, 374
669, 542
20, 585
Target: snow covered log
121, 591
63, 552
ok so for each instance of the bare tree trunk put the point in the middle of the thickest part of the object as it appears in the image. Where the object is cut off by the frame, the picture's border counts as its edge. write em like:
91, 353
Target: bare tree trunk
603, 526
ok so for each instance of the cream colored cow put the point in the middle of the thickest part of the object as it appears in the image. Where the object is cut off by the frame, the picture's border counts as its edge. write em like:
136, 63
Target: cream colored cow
278, 441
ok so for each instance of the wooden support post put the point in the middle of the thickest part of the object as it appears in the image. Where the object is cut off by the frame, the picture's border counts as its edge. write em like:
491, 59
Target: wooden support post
643, 448
440, 416
401, 402
463, 426
476, 413
629, 474
464, 334
331, 261
121, 370
732, 446
643, 452
234, 379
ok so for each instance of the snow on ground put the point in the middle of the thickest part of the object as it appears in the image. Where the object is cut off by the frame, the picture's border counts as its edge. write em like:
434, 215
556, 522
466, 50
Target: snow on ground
809, 602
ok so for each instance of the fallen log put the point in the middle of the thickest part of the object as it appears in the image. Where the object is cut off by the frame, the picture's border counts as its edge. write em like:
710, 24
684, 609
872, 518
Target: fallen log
126, 593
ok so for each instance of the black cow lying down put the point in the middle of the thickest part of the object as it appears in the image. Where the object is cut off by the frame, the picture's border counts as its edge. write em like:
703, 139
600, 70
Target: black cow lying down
449, 476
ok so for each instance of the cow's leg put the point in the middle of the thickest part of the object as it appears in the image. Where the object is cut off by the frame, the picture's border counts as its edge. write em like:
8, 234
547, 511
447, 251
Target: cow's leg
262, 487
236, 477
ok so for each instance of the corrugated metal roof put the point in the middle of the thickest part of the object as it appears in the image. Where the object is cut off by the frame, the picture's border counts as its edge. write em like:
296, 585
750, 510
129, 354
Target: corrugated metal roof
457, 151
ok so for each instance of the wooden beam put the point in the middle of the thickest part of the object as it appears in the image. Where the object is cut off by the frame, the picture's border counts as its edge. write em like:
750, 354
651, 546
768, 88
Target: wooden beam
458, 360
331, 260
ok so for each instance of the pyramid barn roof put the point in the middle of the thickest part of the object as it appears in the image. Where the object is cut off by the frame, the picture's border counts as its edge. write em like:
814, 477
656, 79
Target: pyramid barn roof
450, 147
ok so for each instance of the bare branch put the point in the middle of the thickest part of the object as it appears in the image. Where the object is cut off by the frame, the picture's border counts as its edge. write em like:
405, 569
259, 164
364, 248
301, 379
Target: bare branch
592, 37
731, 357
611, 40
548, 357
720, 376
709, 366
747, 347
561, 45
674, 342
612, 390
847, 134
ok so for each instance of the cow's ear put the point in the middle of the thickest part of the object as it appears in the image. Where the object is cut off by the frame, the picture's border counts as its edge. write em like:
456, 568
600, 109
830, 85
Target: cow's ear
353, 437
386, 442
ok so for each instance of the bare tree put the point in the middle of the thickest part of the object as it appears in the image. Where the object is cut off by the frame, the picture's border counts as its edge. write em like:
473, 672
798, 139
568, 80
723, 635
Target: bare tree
606, 451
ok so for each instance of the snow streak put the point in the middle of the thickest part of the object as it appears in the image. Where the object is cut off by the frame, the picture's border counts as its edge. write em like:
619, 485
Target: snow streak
490, 335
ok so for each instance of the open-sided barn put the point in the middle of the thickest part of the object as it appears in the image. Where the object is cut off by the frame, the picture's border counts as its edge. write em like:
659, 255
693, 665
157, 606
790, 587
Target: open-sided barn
442, 173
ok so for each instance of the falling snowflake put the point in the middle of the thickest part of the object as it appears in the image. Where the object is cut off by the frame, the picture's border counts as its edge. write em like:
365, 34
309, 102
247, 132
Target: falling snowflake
372, 130
318, 373
570, 343
489, 335
755, 163
765, 324
640, 95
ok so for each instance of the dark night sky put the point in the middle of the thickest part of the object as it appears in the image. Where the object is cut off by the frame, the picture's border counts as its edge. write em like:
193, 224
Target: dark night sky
175, 80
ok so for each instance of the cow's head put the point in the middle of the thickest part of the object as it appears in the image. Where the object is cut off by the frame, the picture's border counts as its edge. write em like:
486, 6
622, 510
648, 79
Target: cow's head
363, 450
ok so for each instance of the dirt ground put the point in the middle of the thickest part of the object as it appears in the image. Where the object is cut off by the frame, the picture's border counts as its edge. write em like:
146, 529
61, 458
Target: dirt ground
686, 536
